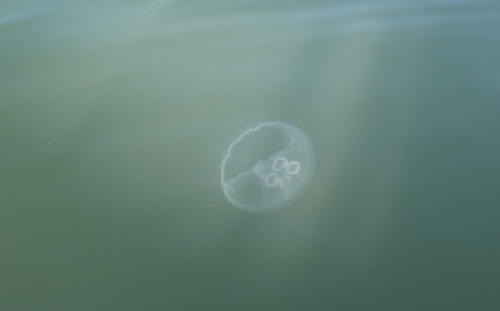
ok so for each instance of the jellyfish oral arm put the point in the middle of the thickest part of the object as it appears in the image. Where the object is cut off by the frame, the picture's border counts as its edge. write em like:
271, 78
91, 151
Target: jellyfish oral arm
230, 182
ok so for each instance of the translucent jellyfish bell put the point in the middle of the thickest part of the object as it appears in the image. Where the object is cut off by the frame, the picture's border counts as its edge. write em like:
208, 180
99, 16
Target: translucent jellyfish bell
267, 167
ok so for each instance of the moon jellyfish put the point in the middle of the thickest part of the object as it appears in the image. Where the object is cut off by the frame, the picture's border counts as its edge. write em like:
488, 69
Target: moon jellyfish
267, 167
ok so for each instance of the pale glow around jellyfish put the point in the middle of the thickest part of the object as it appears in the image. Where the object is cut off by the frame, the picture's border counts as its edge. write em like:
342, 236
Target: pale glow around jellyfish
267, 167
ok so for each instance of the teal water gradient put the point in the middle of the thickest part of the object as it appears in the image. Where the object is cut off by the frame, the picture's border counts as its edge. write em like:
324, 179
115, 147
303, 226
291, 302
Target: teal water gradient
115, 116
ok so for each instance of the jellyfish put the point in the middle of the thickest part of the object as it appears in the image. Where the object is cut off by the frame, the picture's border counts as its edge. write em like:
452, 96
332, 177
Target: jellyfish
267, 167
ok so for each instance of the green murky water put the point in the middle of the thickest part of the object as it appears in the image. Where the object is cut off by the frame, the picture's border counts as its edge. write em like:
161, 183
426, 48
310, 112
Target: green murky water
115, 117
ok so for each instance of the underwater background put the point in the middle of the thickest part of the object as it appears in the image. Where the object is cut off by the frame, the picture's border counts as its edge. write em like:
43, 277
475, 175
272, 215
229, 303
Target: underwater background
115, 117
